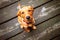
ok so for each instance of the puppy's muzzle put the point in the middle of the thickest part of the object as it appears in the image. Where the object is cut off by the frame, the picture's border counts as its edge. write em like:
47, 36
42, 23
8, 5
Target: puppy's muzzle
28, 17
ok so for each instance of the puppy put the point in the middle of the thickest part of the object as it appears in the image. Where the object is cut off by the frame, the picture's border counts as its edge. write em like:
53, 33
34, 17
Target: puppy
25, 18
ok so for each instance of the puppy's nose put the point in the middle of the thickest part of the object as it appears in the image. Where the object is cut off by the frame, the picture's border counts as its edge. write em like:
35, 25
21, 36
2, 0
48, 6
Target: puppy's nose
28, 17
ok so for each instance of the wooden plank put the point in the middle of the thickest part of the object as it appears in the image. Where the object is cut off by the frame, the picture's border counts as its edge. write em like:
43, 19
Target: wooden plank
10, 28
41, 32
10, 12
5, 3
38, 20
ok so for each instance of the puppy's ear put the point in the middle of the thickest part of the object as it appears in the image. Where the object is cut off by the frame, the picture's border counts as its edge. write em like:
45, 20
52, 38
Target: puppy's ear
19, 13
19, 7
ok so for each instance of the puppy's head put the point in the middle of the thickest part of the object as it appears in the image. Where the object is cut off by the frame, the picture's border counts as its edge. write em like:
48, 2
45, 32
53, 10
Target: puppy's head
26, 12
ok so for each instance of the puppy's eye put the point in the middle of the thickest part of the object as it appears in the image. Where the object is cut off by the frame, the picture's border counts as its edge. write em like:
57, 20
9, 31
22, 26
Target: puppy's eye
22, 12
29, 10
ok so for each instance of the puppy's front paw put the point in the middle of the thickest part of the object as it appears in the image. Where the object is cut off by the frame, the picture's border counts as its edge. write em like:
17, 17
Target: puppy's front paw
21, 26
34, 27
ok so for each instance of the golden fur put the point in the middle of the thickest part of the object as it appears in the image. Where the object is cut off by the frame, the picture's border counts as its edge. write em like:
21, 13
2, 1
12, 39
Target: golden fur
24, 23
